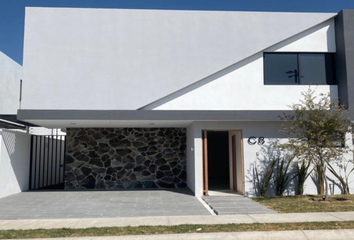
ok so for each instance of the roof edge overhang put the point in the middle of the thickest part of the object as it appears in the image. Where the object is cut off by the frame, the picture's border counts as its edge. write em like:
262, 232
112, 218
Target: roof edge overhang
30, 115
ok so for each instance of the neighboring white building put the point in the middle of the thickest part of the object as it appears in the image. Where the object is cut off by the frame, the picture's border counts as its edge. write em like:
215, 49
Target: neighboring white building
15, 136
143, 94
10, 80
14, 144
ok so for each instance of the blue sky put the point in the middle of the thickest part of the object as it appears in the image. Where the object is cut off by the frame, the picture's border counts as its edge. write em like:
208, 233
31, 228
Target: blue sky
12, 12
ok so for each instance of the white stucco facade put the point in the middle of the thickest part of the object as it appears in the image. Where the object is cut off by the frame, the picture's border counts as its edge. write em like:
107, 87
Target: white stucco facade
253, 154
141, 56
241, 86
10, 76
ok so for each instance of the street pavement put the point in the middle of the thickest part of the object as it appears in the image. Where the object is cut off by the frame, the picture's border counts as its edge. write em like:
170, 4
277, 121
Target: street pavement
175, 220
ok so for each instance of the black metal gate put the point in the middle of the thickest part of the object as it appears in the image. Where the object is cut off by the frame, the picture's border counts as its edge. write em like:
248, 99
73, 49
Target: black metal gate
47, 162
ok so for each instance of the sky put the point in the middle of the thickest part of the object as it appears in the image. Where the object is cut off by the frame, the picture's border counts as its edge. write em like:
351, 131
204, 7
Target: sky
12, 12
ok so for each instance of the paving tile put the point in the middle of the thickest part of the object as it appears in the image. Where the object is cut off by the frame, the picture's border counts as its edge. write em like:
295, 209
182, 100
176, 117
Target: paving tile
99, 204
225, 205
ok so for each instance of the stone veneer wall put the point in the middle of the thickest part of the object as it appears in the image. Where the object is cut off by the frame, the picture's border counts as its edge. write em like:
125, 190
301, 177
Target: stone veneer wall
125, 158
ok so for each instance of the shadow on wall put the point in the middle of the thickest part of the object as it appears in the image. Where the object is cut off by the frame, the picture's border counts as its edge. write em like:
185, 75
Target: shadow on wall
263, 166
345, 169
202, 82
18, 151
342, 169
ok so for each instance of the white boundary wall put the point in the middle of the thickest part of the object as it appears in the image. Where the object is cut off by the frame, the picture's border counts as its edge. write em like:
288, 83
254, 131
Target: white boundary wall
14, 162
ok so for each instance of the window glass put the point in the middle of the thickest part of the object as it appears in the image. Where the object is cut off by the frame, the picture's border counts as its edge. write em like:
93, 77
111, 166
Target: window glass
312, 68
299, 68
280, 69
330, 69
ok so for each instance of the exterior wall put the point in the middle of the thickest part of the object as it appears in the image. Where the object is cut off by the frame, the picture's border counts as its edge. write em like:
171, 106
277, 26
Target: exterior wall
241, 86
137, 50
255, 154
10, 76
14, 162
344, 58
191, 173
125, 158
238, 149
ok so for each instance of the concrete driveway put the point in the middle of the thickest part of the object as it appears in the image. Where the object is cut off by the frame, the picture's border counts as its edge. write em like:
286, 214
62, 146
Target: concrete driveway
100, 204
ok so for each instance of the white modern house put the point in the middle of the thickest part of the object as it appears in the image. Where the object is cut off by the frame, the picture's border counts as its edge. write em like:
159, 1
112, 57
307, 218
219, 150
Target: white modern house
176, 99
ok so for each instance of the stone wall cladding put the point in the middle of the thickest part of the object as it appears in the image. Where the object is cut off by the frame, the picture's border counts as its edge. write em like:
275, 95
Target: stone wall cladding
125, 158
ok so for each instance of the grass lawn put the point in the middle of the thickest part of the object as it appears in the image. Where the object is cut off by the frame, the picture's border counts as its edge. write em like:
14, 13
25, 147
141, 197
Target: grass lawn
308, 203
143, 230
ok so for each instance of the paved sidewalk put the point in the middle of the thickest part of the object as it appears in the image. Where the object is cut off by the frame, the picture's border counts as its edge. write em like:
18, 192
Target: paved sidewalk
175, 220
280, 235
235, 204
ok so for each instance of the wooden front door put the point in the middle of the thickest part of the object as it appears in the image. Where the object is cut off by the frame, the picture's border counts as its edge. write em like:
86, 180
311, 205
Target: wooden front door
205, 163
234, 159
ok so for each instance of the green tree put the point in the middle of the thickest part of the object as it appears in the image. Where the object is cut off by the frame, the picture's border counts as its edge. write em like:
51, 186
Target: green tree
317, 132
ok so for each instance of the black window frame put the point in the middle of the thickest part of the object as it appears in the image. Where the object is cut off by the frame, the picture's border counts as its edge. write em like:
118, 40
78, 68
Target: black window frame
330, 72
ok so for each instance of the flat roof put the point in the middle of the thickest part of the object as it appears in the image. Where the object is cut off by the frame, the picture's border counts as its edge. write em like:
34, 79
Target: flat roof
134, 118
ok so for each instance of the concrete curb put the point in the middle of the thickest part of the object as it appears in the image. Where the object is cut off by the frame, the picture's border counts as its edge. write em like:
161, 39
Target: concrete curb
174, 220
275, 235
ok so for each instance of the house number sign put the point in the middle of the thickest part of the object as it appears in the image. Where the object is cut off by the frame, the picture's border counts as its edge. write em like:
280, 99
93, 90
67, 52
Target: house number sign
253, 140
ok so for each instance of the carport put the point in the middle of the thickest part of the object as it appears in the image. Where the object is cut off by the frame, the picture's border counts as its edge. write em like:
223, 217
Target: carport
100, 204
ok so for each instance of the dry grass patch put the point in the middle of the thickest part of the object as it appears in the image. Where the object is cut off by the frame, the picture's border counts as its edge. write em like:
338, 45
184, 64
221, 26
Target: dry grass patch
143, 230
308, 203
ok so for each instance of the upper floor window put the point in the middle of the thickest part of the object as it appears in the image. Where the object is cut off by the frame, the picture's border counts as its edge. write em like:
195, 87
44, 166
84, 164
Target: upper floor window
299, 68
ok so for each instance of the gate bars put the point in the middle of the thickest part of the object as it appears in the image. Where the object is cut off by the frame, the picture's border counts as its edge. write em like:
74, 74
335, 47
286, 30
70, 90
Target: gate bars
47, 161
